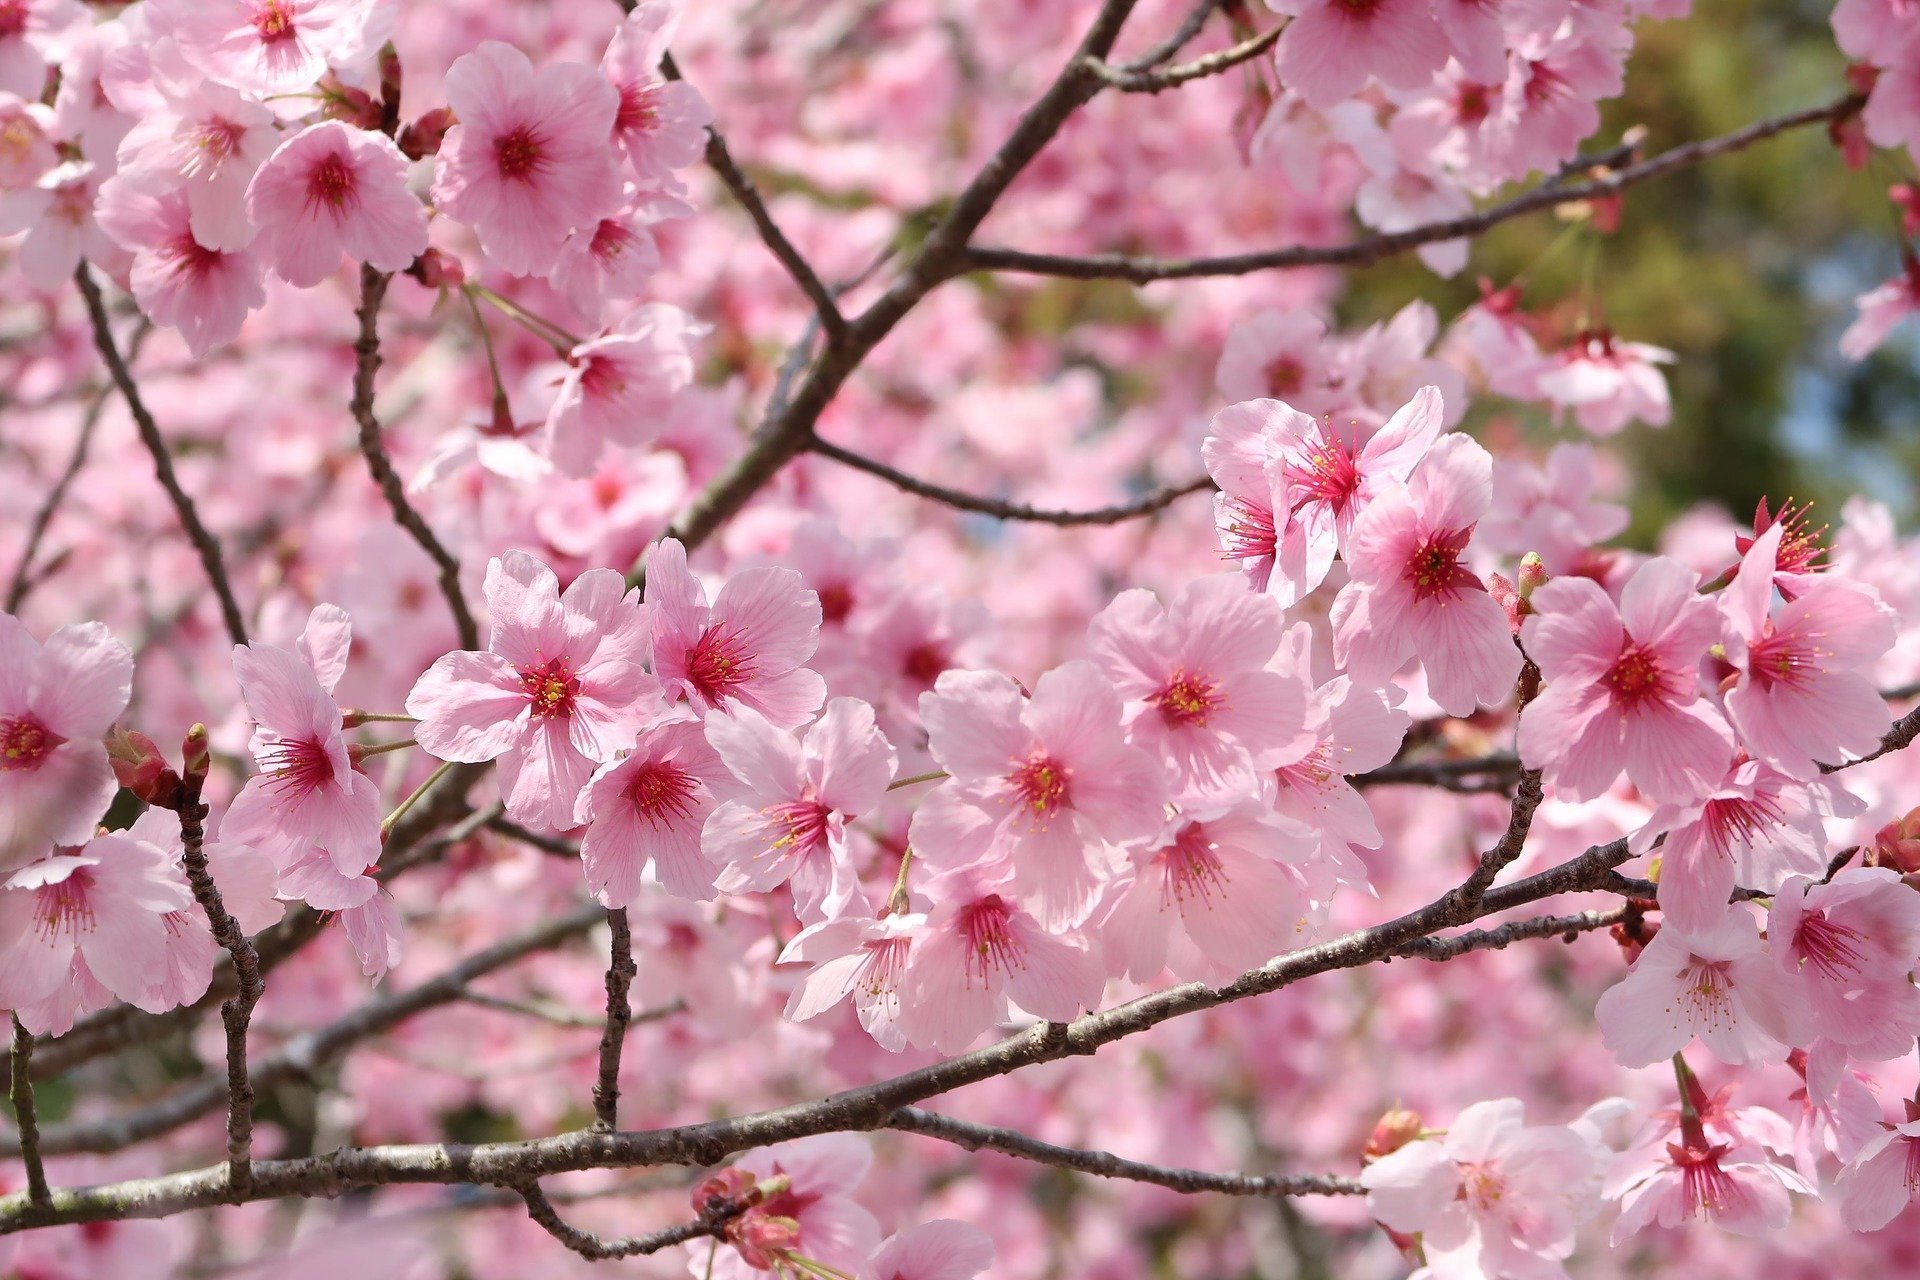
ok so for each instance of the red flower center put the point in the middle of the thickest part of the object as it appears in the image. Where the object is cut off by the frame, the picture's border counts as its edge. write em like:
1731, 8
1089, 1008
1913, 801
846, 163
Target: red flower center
836, 602
332, 183
719, 663
662, 793
1190, 868
639, 108
1246, 531
1434, 568
25, 743
1187, 698
13, 18
1040, 784
798, 826
987, 926
519, 155
1636, 675
274, 21
1285, 377
300, 765
1829, 947
1327, 473
551, 687
924, 663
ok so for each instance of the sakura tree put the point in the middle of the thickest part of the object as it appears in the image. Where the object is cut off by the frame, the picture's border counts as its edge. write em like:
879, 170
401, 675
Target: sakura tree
607, 603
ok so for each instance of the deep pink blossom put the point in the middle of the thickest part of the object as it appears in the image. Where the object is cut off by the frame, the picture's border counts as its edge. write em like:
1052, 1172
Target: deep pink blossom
205, 293
1280, 355
1806, 696
619, 385
560, 689
1046, 785
1411, 594
331, 190
528, 164
1193, 675
206, 142
1623, 686
979, 952
1331, 49
56, 701
789, 823
747, 648
1607, 383
661, 124
815, 1213
647, 808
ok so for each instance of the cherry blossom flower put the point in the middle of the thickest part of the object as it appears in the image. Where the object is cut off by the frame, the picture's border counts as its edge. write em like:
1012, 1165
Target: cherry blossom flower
661, 124
790, 825
1607, 383
1045, 785
1223, 891
1719, 987
1550, 510
1884, 1178
940, 1250
814, 1214
1279, 355
1410, 594
331, 190
206, 142
615, 257
203, 292
35, 31
746, 648
26, 129
1192, 674
528, 164
648, 807
248, 882
1881, 308
979, 952
56, 213
56, 701
1853, 942
265, 47
1331, 47
1806, 696
1496, 1197
1733, 1182
859, 957
1892, 113
105, 904
1755, 828
307, 793
618, 386
1622, 686
560, 689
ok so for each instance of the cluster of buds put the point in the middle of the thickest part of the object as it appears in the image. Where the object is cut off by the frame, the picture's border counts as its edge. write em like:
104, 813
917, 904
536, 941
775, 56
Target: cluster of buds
141, 768
745, 1213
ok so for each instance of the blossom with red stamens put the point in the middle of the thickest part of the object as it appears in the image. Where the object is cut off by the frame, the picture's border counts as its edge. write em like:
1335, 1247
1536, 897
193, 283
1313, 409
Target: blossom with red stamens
331, 190
1852, 942
647, 809
560, 689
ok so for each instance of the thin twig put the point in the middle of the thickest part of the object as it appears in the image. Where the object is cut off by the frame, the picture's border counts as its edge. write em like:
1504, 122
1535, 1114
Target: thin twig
721, 161
1158, 500
1373, 248
592, 1247
1212, 64
20, 1090
1497, 769
620, 975
203, 542
1104, 1164
1566, 927
366, 351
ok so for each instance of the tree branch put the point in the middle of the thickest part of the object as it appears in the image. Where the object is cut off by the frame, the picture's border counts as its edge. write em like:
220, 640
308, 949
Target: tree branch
1212, 64
1104, 1164
593, 1248
1566, 928
20, 1090
203, 541
1496, 772
620, 974
366, 351
1158, 500
1370, 249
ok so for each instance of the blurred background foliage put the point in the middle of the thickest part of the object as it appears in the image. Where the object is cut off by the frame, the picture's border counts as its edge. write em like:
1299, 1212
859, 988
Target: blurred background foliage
1745, 267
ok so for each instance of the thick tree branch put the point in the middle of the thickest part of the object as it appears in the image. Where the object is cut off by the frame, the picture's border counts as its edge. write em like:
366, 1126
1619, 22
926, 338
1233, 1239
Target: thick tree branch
366, 351
1158, 500
26, 1119
1104, 1164
203, 541
1373, 248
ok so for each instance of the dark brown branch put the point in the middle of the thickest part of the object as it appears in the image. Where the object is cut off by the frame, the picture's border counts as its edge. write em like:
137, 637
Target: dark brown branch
1104, 1164
1158, 500
620, 975
593, 1248
366, 365
1899, 737
1497, 770
1373, 248
1190, 26
1567, 928
236, 1012
20, 1091
307, 1053
721, 161
1200, 68
203, 542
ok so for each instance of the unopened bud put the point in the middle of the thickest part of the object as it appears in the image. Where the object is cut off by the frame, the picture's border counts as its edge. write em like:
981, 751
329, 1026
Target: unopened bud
140, 768
724, 1191
1533, 575
390, 75
437, 270
423, 137
196, 753
763, 1241
1393, 1131
345, 103
1897, 844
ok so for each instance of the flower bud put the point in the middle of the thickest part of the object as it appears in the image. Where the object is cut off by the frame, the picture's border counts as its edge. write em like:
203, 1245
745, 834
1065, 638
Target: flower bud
196, 753
423, 137
437, 270
1533, 575
1897, 844
140, 768
764, 1240
727, 1189
1393, 1131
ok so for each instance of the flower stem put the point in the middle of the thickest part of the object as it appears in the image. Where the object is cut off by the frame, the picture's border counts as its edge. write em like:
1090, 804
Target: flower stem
410, 801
